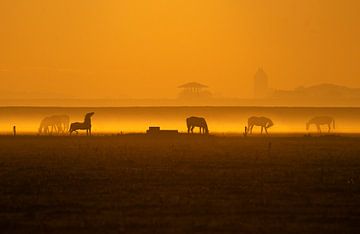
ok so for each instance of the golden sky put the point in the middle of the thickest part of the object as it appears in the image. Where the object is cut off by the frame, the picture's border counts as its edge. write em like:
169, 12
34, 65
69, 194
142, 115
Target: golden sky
146, 48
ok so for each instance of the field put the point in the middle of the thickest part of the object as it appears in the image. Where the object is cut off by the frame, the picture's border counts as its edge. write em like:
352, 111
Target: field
180, 184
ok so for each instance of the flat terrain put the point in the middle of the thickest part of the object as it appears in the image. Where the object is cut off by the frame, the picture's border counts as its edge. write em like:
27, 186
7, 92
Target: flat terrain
180, 184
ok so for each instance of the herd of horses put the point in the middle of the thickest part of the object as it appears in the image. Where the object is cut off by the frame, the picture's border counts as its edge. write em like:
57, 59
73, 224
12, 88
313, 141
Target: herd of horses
60, 124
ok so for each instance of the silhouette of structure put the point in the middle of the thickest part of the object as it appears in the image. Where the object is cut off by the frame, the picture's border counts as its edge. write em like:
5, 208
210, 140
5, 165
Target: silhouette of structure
261, 84
86, 125
194, 90
263, 122
200, 122
56, 123
158, 131
321, 120
321, 91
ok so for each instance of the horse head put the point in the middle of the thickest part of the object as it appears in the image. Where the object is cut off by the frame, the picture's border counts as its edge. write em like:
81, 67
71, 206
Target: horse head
89, 115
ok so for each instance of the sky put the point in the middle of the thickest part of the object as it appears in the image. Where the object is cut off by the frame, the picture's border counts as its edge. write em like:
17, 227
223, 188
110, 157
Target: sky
146, 48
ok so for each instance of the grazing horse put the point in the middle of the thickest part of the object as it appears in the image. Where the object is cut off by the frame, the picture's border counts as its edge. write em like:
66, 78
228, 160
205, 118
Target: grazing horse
57, 123
321, 120
86, 125
62, 122
263, 122
47, 126
193, 122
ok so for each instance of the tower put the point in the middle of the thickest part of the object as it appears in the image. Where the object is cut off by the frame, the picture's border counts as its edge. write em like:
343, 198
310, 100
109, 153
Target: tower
261, 85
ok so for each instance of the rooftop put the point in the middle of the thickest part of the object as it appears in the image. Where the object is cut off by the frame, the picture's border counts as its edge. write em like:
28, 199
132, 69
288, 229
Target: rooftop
193, 85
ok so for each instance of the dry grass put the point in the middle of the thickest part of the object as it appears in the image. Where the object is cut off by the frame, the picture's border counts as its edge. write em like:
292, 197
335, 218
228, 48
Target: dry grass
180, 184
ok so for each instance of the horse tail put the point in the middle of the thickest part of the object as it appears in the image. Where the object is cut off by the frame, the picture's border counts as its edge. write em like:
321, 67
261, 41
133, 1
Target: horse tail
249, 122
41, 127
188, 123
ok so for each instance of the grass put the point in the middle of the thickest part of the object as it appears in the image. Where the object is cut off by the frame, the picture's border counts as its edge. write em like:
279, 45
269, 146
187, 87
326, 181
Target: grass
179, 184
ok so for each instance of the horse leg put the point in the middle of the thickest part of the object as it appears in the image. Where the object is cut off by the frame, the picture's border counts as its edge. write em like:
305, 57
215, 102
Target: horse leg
266, 131
90, 131
192, 129
329, 128
318, 128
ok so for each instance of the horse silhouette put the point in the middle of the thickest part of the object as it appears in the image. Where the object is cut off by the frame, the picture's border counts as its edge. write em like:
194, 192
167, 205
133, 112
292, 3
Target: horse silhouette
86, 125
55, 123
263, 122
321, 120
193, 122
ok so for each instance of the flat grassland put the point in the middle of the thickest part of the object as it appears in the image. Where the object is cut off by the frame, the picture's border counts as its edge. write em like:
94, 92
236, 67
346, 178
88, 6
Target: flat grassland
180, 184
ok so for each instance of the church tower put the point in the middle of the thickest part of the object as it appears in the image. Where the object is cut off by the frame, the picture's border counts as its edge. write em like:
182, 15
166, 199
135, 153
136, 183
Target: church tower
261, 85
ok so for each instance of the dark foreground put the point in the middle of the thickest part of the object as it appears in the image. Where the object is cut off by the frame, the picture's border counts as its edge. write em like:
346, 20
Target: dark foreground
180, 184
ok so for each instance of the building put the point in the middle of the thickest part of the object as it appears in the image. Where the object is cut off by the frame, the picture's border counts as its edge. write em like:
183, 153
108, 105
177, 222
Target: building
194, 90
261, 84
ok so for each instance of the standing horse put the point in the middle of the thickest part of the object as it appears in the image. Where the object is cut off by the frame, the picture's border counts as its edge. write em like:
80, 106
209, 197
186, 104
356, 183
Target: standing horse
321, 120
193, 122
86, 125
263, 122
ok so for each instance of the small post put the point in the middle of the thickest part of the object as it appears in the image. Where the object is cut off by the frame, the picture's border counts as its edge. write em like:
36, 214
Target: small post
246, 132
14, 130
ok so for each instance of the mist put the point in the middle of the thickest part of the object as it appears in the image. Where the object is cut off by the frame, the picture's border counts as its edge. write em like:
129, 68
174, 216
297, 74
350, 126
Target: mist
221, 120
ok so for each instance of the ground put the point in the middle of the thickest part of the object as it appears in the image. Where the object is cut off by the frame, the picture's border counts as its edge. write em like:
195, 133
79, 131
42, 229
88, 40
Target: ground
180, 184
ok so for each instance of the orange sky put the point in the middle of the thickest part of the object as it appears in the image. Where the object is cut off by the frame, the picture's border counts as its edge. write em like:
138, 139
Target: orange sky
146, 48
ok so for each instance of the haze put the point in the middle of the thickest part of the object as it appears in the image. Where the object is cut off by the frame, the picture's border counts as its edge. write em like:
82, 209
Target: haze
145, 49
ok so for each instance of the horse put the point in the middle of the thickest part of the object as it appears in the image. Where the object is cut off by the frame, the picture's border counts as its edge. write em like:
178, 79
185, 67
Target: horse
193, 122
321, 120
86, 125
264, 122
46, 125
62, 122
53, 123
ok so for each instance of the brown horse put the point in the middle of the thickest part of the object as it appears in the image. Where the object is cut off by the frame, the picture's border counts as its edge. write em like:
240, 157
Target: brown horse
321, 120
56, 123
263, 122
86, 125
193, 122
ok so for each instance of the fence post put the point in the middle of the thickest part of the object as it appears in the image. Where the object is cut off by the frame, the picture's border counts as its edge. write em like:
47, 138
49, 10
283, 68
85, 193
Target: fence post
14, 130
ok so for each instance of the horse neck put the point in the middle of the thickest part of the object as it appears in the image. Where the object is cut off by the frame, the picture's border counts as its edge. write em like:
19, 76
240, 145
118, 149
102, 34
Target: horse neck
87, 120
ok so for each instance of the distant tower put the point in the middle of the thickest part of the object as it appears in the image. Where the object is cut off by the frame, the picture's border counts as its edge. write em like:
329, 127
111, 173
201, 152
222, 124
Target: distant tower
261, 85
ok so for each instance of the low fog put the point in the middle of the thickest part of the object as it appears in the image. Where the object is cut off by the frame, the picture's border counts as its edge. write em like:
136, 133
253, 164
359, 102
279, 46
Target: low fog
227, 120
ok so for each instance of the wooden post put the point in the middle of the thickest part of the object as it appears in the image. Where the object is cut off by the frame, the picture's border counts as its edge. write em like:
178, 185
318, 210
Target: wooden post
14, 130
